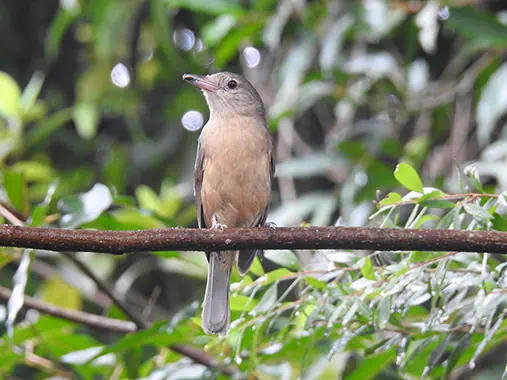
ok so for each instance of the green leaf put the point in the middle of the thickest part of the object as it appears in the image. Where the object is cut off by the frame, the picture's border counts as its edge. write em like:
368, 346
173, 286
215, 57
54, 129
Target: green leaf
425, 219
5, 257
57, 292
132, 219
239, 302
415, 348
166, 254
437, 203
390, 199
46, 326
455, 354
40, 211
10, 95
85, 207
215, 7
477, 212
159, 335
431, 195
31, 92
367, 269
147, 198
230, 45
61, 22
10, 359
408, 177
275, 275
35, 171
46, 127
86, 117
283, 258
256, 267
214, 31
499, 223
15, 186
481, 27
268, 300
317, 284
372, 365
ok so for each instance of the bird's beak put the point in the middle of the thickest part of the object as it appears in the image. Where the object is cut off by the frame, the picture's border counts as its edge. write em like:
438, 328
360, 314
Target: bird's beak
200, 81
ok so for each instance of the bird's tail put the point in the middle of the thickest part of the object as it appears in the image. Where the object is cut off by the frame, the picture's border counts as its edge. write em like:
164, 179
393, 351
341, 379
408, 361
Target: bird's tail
215, 311
246, 258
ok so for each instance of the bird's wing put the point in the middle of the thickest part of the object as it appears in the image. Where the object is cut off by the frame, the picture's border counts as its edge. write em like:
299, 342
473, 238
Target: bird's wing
198, 174
263, 217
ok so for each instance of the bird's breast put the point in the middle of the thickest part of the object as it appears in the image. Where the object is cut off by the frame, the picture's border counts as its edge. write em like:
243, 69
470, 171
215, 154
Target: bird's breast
236, 174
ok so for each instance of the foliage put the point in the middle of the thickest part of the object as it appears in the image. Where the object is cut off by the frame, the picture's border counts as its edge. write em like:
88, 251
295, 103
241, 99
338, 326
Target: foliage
402, 102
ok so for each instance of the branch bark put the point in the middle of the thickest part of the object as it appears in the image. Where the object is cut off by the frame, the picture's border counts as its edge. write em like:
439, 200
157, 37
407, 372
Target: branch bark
191, 239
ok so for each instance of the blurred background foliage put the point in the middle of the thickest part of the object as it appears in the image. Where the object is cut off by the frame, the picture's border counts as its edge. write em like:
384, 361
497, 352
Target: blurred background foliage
97, 130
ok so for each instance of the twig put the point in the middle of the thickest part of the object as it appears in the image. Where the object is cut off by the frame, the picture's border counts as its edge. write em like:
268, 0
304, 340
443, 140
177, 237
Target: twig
133, 316
192, 239
35, 360
116, 325
88, 319
446, 197
151, 301
10, 216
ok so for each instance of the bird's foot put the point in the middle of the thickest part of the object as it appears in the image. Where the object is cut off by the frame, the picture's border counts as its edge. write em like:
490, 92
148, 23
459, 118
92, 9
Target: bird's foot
219, 226
270, 225
216, 225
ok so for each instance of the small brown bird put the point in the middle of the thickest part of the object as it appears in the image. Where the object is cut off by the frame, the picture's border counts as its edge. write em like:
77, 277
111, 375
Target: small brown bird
232, 184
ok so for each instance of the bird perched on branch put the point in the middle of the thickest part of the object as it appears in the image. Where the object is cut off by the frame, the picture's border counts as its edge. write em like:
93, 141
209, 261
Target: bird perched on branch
232, 184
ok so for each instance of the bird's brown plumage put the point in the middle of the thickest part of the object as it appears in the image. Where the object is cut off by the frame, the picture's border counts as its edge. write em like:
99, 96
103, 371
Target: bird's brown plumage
233, 173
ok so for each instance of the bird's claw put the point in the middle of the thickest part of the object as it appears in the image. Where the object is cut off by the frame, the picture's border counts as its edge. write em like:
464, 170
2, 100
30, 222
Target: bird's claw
219, 226
215, 224
270, 225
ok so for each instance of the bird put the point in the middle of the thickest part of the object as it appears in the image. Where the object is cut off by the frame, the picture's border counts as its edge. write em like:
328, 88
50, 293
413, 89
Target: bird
233, 173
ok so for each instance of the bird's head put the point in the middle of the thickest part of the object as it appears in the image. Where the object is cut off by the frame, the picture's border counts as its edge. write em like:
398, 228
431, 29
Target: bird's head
228, 93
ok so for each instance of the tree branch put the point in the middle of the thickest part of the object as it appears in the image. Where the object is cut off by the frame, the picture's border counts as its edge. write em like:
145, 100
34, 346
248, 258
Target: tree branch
88, 319
189, 239
104, 287
117, 325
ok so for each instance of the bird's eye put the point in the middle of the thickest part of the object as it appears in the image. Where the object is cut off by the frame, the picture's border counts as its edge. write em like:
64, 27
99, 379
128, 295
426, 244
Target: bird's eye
232, 84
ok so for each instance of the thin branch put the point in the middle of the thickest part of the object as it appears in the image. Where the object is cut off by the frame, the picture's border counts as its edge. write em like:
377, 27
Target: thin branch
116, 325
469, 197
192, 239
7, 214
88, 319
104, 287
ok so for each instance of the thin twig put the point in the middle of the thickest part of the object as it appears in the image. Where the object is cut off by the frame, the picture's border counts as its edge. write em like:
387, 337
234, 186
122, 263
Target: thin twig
446, 197
88, 319
7, 214
133, 316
